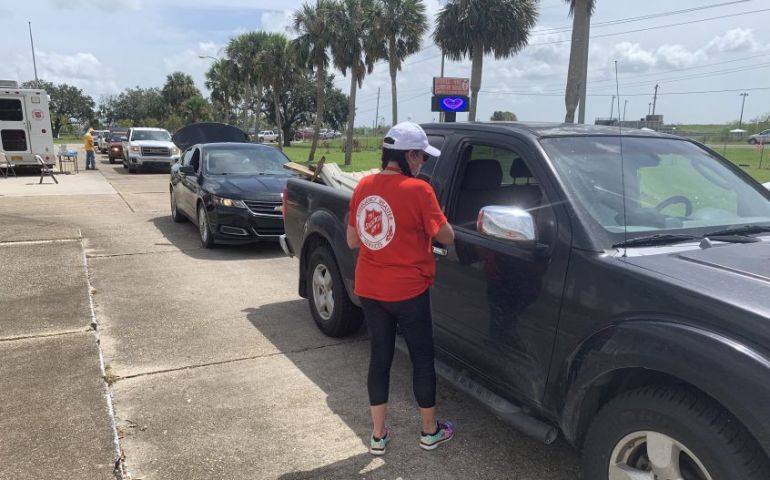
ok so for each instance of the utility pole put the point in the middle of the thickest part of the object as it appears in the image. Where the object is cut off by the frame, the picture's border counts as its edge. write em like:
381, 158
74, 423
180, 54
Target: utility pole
649, 108
625, 104
612, 106
655, 99
377, 115
441, 114
32, 44
743, 104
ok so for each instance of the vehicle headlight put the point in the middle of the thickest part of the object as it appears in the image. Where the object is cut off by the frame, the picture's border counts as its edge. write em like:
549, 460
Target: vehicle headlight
135, 148
227, 202
175, 151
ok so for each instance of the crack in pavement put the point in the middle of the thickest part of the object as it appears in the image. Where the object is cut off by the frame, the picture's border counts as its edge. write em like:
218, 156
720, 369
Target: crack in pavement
234, 360
111, 255
44, 335
11, 243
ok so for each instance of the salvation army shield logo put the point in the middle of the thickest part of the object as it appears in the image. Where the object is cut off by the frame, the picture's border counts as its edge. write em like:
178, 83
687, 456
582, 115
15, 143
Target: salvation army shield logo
375, 223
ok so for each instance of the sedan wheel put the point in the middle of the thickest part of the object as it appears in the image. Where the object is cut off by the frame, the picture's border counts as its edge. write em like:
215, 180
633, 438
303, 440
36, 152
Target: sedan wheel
207, 239
175, 214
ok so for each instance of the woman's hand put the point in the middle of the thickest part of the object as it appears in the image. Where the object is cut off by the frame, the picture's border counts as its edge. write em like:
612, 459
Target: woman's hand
445, 235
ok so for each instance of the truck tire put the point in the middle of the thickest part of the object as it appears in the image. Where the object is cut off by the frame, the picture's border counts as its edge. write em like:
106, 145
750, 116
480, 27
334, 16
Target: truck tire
112, 160
692, 437
333, 311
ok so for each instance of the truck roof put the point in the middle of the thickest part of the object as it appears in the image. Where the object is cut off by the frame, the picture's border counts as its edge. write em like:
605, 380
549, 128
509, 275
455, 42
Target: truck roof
545, 129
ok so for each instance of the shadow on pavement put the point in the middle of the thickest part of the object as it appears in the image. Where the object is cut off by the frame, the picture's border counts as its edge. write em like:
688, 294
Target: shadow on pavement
484, 446
185, 237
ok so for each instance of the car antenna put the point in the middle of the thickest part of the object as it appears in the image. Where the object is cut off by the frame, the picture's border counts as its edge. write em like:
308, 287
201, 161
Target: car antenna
622, 165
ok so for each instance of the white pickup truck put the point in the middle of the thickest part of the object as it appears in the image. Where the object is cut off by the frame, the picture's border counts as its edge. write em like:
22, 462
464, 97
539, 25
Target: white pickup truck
267, 136
149, 147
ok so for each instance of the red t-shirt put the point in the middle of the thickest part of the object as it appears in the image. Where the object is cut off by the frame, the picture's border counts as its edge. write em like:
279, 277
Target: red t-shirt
396, 218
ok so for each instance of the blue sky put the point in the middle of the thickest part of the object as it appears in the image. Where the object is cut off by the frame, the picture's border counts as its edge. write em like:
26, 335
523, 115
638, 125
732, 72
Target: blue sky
109, 46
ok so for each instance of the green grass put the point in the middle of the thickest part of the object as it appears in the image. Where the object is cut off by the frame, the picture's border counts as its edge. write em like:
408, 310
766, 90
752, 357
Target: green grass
67, 139
367, 156
749, 160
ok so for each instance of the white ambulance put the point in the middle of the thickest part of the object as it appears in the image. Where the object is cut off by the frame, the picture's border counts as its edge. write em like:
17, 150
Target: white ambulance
25, 125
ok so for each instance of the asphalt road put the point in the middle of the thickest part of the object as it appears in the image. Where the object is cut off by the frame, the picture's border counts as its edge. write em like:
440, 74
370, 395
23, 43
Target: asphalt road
216, 368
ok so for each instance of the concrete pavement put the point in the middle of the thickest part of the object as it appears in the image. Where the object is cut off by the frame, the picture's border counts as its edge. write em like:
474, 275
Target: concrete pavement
216, 368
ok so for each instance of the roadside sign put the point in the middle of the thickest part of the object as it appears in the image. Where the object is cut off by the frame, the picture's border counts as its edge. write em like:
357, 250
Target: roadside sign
449, 103
451, 86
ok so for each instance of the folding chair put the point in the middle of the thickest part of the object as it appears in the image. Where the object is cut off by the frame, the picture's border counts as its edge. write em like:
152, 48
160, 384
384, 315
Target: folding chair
6, 166
45, 170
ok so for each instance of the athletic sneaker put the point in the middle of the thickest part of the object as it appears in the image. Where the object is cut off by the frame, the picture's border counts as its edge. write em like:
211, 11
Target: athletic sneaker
377, 447
444, 433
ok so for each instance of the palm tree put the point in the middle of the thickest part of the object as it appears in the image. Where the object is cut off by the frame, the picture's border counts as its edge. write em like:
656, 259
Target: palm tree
314, 26
577, 75
245, 51
178, 88
402, 23
278, 72
354, 48
474, 29
221, 79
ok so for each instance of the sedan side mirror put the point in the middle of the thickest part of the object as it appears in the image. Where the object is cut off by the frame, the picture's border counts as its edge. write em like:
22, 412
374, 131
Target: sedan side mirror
507, 223
187, 170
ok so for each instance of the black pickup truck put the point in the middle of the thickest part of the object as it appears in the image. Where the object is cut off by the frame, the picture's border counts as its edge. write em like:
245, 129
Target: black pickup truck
612, 285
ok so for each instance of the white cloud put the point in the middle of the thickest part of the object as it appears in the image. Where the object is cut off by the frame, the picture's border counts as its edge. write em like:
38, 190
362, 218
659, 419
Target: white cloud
277, 22
735, 40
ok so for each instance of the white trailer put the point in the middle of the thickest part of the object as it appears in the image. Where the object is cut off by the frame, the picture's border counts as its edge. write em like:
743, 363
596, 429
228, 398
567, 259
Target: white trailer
25, 125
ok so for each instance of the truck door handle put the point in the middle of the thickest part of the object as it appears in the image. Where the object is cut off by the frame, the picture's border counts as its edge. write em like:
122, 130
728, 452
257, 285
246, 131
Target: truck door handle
440, 251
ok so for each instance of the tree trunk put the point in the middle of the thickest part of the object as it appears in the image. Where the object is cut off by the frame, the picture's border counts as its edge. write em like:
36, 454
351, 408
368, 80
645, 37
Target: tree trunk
572, 93
286, 129
477, 63
278, 122
320, 99
351, 117
584, 73
392, 63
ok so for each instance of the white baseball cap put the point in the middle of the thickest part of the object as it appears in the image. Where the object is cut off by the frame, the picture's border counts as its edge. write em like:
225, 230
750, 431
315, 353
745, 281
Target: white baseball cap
409, 136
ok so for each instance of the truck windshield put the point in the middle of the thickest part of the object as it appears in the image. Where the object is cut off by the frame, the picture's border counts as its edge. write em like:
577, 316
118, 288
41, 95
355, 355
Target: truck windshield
245, 161
669, 184
159, 135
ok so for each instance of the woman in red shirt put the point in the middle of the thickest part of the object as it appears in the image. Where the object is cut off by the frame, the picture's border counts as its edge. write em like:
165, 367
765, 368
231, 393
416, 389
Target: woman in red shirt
394, 219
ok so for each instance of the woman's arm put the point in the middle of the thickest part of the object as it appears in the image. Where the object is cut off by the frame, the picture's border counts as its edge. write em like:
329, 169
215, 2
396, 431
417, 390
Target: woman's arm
352, 237
445, 235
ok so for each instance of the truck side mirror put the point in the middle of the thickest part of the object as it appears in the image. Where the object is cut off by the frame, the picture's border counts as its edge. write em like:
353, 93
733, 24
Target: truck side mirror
187, 170
507, 223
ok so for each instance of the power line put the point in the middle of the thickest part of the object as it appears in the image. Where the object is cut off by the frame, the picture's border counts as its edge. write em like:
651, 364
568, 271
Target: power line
645, 94
620, 21
656, 27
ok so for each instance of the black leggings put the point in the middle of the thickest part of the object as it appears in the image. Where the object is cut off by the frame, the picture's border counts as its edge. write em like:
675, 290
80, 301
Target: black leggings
413, 316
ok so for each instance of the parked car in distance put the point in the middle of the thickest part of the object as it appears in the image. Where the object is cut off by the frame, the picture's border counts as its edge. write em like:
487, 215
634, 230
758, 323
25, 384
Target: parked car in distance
115, 146
608, 284
267, 136
761, 137
99, 137
149, 148
230, 188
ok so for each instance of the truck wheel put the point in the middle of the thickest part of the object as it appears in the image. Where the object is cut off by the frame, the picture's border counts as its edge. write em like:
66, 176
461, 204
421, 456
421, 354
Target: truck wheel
176, 215
207, 238
112, 160
330, 305
670, 433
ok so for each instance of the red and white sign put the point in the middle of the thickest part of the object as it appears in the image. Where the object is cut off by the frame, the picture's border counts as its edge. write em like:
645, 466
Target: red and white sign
451, 86
38, 114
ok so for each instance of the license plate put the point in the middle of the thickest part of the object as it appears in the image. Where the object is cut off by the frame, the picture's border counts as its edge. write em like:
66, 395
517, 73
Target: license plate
17, 158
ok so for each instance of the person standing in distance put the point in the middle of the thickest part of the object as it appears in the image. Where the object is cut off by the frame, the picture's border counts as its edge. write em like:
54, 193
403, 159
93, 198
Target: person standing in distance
88, 146
394, 219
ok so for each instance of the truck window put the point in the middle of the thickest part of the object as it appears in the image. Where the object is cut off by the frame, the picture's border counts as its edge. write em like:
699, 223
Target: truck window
426, 172
493, 175
10, 110
14, 140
